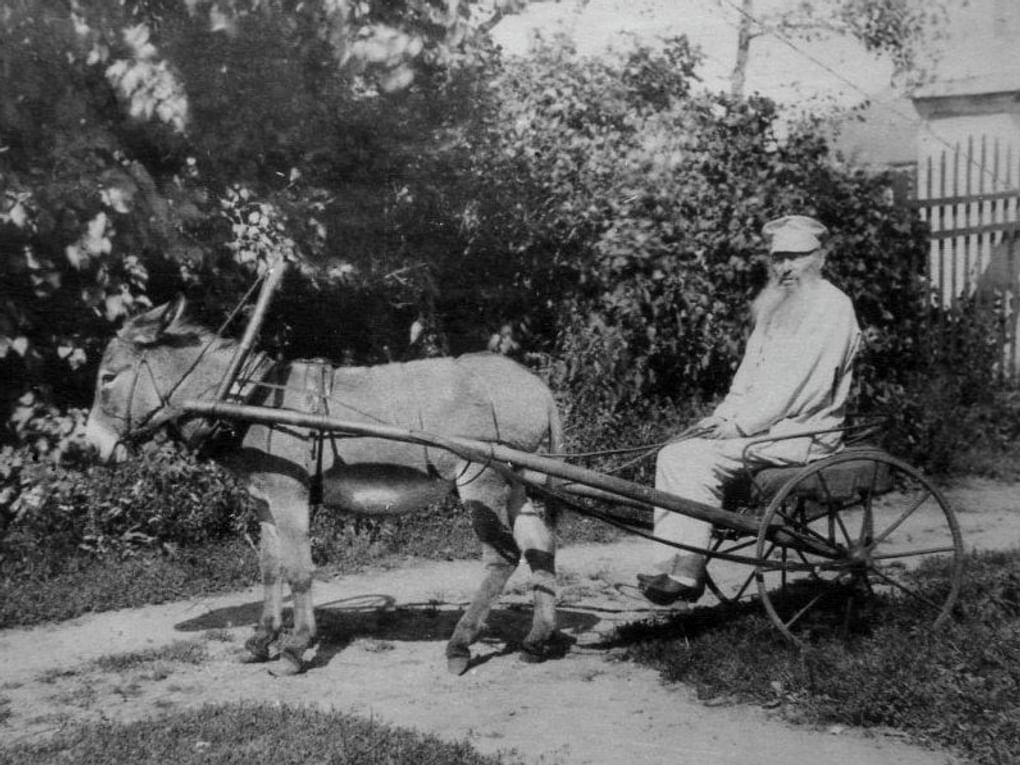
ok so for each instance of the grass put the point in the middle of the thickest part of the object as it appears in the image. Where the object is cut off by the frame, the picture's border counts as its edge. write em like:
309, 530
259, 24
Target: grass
85, 583
245, 733
56, 589
179, 652
957, 688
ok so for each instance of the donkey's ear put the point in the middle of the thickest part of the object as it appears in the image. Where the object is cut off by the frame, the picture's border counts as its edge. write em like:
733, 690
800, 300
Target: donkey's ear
147, 328
173, 313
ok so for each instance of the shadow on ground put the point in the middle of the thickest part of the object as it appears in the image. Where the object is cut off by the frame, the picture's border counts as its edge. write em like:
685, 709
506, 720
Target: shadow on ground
379, 617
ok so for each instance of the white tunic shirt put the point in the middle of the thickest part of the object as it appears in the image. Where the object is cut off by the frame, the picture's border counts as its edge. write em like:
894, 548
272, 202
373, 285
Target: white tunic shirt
798, 379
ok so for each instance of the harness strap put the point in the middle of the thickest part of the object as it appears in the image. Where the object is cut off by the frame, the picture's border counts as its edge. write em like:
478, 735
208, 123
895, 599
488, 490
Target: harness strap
318, 386
251, 378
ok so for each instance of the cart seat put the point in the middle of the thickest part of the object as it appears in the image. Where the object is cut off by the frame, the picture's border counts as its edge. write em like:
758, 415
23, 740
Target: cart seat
840, 482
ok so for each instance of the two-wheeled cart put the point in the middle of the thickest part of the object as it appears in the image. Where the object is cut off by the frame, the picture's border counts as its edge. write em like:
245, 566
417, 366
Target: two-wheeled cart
836, 532
828, 536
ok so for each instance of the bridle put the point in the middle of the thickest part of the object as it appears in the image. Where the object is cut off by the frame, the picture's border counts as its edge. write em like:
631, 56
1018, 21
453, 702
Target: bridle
136, 431
134, 434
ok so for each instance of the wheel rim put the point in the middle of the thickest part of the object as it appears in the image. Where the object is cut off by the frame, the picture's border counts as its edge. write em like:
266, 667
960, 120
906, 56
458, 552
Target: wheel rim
876, 534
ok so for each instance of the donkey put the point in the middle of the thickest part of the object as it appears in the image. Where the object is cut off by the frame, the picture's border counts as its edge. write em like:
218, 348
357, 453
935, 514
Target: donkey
160, 359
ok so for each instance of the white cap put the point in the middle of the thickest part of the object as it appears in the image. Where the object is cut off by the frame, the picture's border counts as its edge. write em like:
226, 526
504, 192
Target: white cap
794, 233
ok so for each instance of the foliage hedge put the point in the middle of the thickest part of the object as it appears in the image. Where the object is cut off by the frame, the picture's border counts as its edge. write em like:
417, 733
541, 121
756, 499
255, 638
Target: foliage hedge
599, 216
645, 201
163, 499
76, 537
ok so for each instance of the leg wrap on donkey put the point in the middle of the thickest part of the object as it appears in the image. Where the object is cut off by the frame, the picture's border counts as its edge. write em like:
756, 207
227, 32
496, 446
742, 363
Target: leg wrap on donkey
259, 644
499, 555
291, 649
501, 550
538, 645
292, 655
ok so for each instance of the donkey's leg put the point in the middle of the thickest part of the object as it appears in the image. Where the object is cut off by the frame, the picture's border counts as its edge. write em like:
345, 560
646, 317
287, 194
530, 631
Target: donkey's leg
271, 622
535, 538
289, 504
485, 496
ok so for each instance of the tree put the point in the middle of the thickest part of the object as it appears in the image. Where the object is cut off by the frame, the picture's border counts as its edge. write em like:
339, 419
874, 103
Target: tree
626, 207
905, 30
152, 146
599, 208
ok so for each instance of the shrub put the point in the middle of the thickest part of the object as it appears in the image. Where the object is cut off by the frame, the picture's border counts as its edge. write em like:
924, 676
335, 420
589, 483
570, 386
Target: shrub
948, 407
164, 499
76, 537
645, 201
601, 209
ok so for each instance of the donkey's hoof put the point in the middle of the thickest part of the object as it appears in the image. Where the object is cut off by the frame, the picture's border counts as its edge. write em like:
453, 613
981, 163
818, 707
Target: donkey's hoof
290, 664
458, 658
533, 655
555, 646
457, 665
258, 649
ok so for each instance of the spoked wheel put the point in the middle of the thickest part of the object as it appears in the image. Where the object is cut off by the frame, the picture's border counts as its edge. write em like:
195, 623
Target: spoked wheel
731, 544
850, 530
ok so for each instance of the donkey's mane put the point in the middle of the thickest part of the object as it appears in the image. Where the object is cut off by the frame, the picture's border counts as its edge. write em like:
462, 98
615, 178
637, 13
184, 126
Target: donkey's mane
188, 332
182, 333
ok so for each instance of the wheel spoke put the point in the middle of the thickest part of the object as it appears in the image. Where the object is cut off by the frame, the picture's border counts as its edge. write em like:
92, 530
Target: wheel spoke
874, 479
743, 588
842, 527
734, 548
737, 547
793, 619
903, 588
825, 486
899, 521
912, 553
799, 530
784, 557
867, 521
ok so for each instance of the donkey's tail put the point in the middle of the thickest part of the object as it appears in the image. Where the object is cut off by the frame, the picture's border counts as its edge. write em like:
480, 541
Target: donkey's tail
556, 447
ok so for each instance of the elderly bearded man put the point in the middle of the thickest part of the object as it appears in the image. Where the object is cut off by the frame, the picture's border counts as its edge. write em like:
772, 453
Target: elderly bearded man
795, 376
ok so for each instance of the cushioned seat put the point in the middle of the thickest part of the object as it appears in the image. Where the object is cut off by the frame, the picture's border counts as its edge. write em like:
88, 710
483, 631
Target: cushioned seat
839, 482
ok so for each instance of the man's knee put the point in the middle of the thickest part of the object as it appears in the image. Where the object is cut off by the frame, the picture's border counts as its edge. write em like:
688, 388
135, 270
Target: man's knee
690, 469
683, 452
694, 460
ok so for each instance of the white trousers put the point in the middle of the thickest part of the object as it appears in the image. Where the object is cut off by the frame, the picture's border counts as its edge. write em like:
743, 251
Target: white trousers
698, 469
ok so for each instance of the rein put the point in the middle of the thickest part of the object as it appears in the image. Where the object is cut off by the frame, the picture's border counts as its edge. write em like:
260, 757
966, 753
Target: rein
645, 450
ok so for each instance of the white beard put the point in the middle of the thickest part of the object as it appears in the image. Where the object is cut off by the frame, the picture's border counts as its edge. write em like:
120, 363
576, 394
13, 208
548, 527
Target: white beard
784, 309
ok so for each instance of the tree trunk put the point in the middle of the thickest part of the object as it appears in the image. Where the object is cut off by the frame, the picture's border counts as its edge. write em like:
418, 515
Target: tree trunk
744, 37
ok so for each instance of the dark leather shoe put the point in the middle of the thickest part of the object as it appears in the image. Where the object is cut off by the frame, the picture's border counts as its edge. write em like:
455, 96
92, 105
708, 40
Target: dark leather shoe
662, 590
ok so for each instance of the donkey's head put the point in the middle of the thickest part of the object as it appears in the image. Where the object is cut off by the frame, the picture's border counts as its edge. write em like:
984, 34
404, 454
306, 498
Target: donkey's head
156, 362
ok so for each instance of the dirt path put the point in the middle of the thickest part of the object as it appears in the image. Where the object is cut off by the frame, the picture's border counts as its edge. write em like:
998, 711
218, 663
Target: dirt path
386, 631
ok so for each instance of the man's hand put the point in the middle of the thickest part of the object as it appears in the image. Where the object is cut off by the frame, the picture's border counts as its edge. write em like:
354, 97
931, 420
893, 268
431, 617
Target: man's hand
709, 425
717, 427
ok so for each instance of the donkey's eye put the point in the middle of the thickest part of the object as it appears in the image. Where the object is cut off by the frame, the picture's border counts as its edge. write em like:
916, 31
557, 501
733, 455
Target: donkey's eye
106, 378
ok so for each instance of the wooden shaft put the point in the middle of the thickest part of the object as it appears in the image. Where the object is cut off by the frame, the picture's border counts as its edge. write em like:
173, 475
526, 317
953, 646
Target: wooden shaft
480, 452
272, 281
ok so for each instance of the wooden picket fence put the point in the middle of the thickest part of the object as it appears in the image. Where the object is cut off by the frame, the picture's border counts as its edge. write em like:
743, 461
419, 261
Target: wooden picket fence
970, 197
